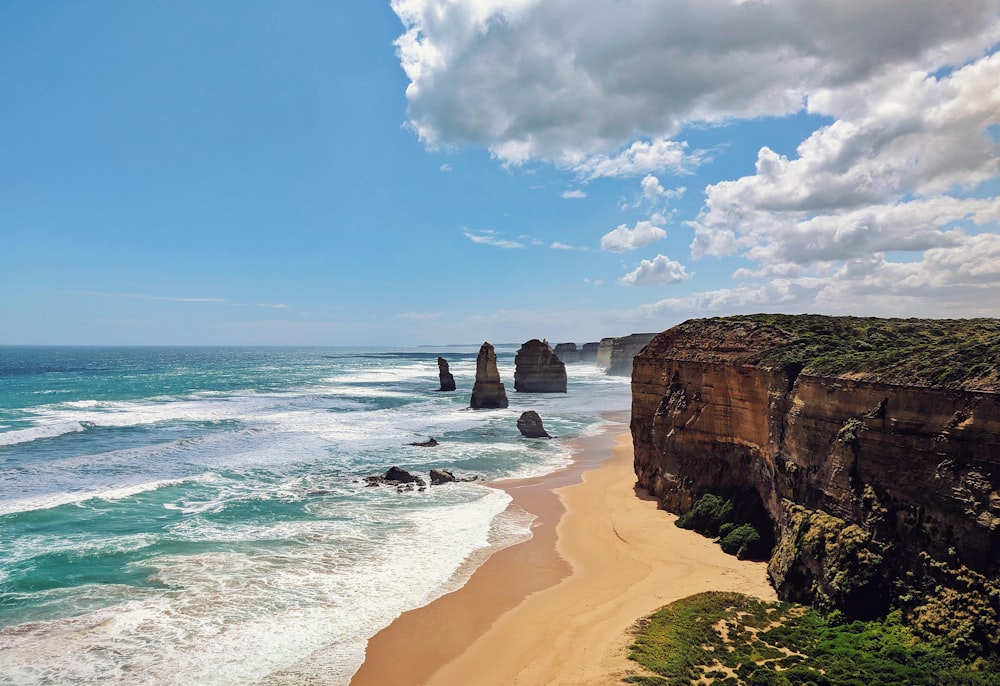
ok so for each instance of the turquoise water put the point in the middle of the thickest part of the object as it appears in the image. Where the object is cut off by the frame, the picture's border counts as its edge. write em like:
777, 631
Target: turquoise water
198, 515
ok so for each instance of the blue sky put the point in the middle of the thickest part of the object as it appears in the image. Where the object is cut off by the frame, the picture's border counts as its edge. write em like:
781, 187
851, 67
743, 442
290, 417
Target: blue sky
437, 171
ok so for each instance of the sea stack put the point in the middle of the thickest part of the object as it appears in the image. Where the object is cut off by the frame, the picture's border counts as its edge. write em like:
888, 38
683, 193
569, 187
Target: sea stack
447, 380
588, 353
530, 425
488, 392
537, 369
567, 352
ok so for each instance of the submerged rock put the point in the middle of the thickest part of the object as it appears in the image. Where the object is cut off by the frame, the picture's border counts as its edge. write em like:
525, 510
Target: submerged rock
530, 425
488, 391
537, 369
447, 380
430, 443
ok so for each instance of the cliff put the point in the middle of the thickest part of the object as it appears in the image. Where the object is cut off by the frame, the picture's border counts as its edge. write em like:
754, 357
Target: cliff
604, 353
588, 353
567, 352
488, 391
868, 451
537, 369
623, 349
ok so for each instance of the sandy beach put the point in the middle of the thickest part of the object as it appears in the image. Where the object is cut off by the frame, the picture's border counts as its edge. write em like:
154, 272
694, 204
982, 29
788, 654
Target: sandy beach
557, 609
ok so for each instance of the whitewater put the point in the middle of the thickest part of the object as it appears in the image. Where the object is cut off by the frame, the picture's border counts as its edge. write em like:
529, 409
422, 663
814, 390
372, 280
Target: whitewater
199, 515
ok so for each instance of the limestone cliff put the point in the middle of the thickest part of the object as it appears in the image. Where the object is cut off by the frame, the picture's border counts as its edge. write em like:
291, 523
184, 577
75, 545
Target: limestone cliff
871, 448
567, 352
604, 352
488, 391
588, 353
537, 369
623, 349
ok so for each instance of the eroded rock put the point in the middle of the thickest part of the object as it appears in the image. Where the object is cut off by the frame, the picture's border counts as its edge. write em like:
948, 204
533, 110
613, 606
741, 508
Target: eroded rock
488, 391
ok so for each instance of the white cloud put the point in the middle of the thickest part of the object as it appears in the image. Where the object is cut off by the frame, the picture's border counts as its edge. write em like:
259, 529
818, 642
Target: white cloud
661, 270
275, 306
594, 282
574, 81
566, 246
624, 239
488, 237
446, 167
574, 194
641, 157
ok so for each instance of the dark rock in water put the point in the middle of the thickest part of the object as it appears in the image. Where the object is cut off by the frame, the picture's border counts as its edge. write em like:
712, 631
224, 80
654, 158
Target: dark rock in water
430, 443
441, 476
588, 353
537, 369
395, 476
488, 391
447, 380
530, 425
567, 352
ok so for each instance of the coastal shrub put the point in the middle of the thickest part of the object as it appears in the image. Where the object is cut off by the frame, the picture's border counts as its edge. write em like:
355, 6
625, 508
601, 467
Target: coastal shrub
741, 541
709, 513
780, 643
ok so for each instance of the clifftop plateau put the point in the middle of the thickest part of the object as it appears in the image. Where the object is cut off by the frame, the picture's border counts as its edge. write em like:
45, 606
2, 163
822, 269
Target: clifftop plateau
866, 450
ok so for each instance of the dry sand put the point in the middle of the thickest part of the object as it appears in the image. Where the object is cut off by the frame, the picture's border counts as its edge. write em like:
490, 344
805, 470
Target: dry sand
556, 610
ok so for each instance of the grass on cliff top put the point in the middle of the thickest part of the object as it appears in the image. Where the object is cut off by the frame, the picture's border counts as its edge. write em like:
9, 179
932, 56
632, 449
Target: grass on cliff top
731, 639
957, 353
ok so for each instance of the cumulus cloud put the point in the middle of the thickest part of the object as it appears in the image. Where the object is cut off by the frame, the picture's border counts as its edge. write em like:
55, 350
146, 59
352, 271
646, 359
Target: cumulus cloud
577, 82
489, 237
661, 270
624, 239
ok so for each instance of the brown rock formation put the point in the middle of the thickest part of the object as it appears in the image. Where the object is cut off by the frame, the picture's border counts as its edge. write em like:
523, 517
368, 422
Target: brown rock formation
447, 380
488, 392
588, 353
567, 352
537, 369
530, 425
604, 353
880, 480
625, 348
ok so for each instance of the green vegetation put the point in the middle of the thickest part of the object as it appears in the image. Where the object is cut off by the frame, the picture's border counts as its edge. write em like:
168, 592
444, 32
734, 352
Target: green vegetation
956, 353
717, 517
732, 639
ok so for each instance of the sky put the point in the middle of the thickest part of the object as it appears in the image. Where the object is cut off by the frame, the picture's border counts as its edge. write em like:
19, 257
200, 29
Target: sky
425, 172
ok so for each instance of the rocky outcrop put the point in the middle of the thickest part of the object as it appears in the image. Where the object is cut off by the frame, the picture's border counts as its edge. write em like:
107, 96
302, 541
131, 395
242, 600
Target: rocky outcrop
400, 478
588, 353
870, 447
488, 391
429, 443
447, 380
604, 353
530, 425
537, 369
623, 350
441, 476
567, 352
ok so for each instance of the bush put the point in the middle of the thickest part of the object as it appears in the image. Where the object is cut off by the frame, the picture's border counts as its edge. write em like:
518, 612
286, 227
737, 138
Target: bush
741, 541
707, 515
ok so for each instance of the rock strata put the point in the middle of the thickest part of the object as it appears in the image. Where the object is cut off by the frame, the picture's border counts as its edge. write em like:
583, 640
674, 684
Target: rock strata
871, 447
530, 425
447, 380
488, 391
604, 353
567, 352
537, 369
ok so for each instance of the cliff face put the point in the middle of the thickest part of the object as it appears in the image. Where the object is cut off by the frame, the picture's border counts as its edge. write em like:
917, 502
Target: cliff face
567, 352
623, 349
537, 369
878, 492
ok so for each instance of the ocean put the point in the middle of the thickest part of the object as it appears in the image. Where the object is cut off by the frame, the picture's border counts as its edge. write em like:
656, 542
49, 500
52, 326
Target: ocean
200, 516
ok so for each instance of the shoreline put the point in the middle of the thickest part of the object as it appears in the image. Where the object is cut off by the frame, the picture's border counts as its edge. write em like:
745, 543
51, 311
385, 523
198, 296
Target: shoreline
557, 609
